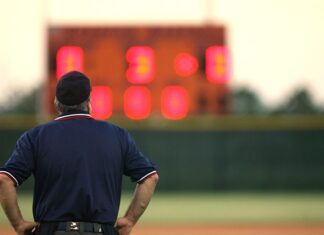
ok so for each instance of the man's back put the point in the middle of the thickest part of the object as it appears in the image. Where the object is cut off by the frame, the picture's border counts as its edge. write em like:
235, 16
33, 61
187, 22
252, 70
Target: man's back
78, 164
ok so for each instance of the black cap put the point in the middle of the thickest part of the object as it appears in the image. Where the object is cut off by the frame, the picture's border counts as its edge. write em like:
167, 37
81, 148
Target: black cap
73, 88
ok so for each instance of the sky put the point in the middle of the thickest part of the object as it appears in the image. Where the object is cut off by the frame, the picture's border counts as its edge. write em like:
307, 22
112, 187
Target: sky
276, 45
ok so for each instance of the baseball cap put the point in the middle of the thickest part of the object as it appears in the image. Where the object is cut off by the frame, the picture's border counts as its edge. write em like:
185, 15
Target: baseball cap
73, 88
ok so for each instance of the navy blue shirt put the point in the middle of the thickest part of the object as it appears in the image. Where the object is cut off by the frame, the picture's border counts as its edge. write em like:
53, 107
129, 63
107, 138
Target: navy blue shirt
78, 164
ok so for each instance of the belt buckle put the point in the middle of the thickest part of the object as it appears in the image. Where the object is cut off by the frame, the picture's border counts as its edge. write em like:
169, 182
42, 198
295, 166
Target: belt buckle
73, 226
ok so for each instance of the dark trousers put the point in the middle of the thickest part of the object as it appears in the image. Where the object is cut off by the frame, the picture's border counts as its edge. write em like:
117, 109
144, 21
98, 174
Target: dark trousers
51, 229
74, 233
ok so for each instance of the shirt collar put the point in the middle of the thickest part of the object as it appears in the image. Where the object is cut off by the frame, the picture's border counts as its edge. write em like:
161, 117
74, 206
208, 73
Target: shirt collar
73, 115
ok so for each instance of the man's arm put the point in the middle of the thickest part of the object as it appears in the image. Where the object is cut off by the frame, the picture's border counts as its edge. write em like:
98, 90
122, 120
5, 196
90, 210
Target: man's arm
142, 196
8, 199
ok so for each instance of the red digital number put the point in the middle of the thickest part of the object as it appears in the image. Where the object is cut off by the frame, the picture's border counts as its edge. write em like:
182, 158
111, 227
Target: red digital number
101, 102
217, 64
141, 68
185, 64
137, 102
175, 102
69, 58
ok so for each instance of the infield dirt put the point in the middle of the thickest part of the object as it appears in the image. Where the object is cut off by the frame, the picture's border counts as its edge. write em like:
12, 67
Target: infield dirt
314, 229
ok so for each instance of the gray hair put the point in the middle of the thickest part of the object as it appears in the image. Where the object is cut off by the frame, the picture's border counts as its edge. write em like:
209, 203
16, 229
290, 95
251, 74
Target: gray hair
62, 108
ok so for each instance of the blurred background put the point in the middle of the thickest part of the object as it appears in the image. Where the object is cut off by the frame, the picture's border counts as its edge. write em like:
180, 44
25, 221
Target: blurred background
225, 96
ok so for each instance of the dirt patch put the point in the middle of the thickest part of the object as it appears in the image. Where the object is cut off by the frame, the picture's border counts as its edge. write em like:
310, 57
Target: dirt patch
217, 230
229, 229
7, 231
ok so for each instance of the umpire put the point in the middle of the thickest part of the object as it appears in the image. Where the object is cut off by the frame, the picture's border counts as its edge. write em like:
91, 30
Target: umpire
78, 164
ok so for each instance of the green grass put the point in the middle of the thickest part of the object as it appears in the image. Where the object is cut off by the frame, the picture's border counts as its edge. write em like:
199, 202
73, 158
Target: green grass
236, 208
221, 208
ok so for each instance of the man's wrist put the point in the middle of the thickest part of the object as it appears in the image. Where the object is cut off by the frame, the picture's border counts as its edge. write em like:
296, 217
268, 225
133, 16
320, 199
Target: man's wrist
16, 225
131, 220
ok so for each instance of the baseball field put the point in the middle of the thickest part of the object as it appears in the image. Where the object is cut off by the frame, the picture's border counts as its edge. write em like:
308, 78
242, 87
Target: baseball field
234, 213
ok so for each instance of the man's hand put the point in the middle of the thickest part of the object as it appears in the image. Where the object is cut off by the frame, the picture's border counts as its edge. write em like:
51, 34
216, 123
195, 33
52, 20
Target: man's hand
8, 200
124, 226
141, 199
25, 228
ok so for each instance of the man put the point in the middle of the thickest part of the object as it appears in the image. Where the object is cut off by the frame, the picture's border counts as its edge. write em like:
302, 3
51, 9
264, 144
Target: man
77, 163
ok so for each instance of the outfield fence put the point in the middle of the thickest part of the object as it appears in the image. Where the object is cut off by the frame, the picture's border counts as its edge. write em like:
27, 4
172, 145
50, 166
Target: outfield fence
221, 154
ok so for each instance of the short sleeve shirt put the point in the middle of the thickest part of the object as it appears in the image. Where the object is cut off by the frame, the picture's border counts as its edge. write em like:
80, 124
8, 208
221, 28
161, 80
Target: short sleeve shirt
78, 164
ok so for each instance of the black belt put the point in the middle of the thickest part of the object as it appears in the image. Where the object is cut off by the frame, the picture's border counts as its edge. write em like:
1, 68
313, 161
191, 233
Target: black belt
79, 226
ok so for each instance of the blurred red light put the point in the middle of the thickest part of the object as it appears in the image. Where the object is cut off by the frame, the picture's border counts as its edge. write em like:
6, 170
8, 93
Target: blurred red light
101, 102
175, 103
185, 64
141, 65
217, 64
69, 58
137, 102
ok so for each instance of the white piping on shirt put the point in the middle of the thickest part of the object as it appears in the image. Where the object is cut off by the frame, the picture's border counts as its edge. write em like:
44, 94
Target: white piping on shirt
145, 176
73, 115
11, 176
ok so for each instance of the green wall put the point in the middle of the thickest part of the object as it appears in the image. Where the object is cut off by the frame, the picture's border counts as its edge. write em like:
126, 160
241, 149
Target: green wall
237, 160
225, 160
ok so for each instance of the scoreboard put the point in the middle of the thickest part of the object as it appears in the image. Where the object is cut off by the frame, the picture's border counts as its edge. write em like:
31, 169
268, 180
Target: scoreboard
141, 72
